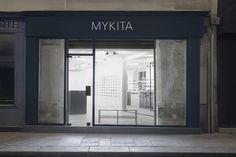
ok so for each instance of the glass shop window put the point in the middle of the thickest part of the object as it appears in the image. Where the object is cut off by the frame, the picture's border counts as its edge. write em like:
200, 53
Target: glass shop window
140, 82
7, 68
124, 82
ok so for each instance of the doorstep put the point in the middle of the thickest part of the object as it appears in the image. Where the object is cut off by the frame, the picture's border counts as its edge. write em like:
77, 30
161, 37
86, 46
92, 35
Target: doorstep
110, 129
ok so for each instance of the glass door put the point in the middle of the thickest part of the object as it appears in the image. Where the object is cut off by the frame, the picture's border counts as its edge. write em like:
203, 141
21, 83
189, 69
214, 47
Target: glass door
80, 82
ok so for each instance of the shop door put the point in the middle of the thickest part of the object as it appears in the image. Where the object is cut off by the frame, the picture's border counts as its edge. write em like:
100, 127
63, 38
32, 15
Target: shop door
80, 81
80, 89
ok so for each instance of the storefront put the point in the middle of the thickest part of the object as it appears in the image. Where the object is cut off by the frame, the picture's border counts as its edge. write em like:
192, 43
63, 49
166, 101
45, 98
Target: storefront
113, 68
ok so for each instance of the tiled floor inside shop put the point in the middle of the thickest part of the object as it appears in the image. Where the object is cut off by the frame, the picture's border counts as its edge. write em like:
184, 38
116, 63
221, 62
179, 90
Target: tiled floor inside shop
69, 144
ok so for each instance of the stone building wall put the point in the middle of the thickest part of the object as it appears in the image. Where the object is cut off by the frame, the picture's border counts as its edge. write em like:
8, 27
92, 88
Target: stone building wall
111, 5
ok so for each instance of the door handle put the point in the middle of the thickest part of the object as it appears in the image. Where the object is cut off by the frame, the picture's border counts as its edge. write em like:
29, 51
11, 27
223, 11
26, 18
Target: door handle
88, 90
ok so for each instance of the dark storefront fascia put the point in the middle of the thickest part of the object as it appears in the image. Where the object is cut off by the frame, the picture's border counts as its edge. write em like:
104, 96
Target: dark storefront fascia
145, 25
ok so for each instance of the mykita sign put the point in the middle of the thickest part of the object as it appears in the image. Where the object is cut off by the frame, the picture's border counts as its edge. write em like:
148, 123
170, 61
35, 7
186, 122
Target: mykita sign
114, 24
111, 26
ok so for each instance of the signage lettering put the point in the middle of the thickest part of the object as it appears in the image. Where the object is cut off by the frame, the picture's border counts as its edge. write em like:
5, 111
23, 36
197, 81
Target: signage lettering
111, 26
8, 24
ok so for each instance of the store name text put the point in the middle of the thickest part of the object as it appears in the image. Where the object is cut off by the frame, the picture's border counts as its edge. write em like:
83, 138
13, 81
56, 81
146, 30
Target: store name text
8, 24
111, 26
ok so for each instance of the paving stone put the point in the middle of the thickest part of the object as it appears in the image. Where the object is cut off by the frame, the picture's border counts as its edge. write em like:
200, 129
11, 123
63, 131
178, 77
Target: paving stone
122, 142
70, 141
64, 149
90, 144
22, 143
19, 149
104, 142
75, 143
142, 142
109, 149
48, 142
173, 143
144, 149
90, 139
180, 149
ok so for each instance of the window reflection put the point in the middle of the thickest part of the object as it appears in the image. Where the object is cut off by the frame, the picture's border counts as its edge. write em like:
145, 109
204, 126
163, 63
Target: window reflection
7, 51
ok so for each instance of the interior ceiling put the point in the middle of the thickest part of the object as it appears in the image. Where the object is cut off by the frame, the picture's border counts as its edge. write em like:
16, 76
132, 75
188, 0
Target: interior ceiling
107, 50
119, 52
102, 55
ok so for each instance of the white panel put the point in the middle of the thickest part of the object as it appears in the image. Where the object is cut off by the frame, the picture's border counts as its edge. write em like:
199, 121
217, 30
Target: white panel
171, 82
51, 81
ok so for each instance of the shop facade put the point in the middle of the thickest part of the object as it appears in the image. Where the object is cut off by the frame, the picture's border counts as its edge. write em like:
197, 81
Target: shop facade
101, 69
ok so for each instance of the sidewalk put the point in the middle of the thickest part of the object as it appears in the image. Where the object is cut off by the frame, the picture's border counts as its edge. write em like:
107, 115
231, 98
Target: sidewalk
77, 144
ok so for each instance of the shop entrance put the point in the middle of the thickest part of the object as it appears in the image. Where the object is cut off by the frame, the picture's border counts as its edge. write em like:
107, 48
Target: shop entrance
79, 89
80, 82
